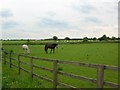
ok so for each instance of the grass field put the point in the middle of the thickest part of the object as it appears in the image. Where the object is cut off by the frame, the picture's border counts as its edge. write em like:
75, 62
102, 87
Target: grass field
94, 53
102, 53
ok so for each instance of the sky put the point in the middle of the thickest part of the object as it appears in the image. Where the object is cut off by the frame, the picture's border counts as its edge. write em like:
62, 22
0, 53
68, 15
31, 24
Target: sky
40, 19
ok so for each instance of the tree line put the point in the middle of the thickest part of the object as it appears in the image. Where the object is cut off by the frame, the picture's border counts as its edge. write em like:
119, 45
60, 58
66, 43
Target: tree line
85, 39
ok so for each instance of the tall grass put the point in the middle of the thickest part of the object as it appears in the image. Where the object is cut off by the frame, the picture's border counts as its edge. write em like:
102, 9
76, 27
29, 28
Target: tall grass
11, 79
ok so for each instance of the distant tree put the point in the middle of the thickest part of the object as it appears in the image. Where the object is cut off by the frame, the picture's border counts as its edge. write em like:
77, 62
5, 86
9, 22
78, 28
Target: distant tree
108, 38
118, 38
28, 41
55, 38
104, 37
113, 38
85, 39
94, 38
100, 39
67, 38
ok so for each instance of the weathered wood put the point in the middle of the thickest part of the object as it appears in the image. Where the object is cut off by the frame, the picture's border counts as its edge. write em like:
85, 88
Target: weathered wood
31, 67
15, 54
25, 70
100, 71
113, 68
75, 63
78, 64
43, 68
78, 77
14, 59
7, 56
68, 86
41, 77
10, 59
19, 64
55, 76
7, 62
14, 65
100, 76
23, 55
4, 57
111, 84
36, 58
43, 59
24, 63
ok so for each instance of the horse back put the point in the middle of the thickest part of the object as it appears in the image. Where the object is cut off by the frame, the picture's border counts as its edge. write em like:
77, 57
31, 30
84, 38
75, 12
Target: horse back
53, 45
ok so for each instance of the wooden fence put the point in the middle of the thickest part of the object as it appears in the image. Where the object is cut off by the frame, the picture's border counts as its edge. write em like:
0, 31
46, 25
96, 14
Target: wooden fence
100, 83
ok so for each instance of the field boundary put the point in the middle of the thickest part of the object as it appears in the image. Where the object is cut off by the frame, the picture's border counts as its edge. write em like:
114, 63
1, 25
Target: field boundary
100, 83
33, 42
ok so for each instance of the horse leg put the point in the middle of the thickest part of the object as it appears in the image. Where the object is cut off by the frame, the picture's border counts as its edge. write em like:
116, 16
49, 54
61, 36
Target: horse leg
46, 50
28, 51
51, 51
25, 51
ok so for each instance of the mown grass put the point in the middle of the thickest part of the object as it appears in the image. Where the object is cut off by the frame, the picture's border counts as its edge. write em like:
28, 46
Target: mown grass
101, 53
97, 53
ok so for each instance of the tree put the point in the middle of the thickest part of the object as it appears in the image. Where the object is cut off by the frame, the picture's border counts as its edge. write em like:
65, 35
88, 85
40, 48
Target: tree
100, 39
28, 41
113, 38
104, 37
55, 38
85, 39
118, 38
94, 38
67, 38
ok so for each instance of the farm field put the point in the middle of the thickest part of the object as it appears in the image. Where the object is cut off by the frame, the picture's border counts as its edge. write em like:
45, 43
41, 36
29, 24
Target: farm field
93, 53
105, 53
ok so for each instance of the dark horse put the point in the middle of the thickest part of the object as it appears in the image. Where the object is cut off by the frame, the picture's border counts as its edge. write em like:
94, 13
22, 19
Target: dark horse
50, 46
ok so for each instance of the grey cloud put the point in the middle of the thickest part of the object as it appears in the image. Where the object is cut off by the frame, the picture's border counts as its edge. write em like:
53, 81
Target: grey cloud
52, 23
6, 13
92, 20
84, 8
9, 24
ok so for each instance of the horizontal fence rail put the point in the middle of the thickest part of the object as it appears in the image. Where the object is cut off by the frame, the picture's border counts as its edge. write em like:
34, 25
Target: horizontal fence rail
100, 83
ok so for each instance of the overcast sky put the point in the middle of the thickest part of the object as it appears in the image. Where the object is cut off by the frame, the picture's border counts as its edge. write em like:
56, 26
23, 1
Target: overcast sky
39, 19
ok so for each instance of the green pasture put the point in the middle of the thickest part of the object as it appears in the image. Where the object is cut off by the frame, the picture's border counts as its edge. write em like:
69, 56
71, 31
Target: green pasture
93, 53
101, 53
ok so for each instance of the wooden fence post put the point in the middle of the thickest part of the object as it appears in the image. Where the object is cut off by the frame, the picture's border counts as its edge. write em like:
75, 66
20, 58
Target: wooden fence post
19, 64
31, 67
4, 57
55, 76
100, 76
10, 59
